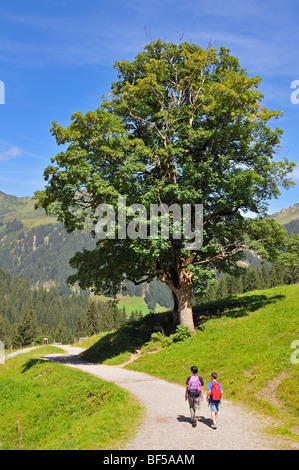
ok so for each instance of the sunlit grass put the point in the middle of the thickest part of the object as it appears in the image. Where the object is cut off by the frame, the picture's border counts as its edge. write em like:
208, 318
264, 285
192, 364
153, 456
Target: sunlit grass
60, 408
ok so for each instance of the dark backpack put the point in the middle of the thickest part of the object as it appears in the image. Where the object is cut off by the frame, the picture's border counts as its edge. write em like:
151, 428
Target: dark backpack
194, 385
216, 391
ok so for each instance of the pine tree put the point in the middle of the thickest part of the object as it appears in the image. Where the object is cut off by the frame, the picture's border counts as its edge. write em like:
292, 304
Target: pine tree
266, 276
92, 319
27, 328
5, 331
223, 287
80, 327
106, 319
60, 333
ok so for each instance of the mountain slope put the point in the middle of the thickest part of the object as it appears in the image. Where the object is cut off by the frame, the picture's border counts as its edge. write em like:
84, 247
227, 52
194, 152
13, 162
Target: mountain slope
34, 245
37, 247
289, 218
22, 209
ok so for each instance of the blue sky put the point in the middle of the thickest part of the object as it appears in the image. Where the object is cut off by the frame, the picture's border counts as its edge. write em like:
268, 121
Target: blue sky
57, 56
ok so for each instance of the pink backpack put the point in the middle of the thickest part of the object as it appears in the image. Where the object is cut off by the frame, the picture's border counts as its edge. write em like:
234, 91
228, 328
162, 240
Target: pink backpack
194, 385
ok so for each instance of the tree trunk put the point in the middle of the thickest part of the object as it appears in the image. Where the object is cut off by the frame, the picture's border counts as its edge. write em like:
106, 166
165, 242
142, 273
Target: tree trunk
176, 316
185, 307
179, 283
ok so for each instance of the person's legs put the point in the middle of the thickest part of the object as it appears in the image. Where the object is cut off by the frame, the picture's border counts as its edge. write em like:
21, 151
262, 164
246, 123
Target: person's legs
192, 409
197, 405
214, 414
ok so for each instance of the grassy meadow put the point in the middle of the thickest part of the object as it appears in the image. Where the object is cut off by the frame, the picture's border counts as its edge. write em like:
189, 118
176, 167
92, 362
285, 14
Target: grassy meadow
60, 408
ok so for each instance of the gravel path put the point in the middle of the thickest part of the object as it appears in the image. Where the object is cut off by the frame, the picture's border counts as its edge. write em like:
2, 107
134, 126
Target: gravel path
166, 424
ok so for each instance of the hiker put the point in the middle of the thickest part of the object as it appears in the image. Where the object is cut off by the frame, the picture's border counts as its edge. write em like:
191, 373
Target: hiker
194, 393
214, 395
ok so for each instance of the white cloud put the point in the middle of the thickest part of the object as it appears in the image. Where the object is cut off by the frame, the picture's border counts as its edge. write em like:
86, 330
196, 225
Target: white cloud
13, 152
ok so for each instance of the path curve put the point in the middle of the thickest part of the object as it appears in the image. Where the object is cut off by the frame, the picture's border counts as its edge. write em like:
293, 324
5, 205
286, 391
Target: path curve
166, 423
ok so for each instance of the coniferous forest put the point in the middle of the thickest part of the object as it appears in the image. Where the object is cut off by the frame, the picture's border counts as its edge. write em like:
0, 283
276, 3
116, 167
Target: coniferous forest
28, 315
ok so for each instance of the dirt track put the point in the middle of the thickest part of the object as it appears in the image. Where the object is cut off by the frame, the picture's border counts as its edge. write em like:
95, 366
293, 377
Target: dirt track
166, 424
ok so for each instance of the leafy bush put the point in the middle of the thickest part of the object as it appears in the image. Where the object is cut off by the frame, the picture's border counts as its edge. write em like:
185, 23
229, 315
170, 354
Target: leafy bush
182, 332
159, 340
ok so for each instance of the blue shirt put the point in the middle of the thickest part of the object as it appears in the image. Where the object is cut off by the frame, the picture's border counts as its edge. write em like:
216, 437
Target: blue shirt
210, 389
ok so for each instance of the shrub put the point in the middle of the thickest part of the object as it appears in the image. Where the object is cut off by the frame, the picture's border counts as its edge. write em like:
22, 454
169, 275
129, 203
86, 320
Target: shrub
182, 332
159, 340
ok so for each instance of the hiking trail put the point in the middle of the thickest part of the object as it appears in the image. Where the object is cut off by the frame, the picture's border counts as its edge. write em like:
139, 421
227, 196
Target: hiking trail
166, 423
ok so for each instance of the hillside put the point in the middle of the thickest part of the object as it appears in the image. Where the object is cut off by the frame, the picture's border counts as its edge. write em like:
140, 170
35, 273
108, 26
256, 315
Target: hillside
286, 215
289, 218
247, 339
22, 209
35, 246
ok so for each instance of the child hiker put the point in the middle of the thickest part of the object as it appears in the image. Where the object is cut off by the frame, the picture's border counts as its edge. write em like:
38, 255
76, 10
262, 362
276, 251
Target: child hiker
194, 393
214, 397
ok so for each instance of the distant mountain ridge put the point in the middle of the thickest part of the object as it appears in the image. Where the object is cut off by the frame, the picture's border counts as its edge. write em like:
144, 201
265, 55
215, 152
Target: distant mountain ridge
289, 218
22, 209
285, 215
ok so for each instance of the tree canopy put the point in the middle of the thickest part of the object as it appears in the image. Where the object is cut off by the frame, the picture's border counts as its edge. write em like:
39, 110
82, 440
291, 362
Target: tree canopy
182, 125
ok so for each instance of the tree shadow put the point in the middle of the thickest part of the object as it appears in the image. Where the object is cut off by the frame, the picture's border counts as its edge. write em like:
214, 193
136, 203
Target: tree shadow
133, 335
129, 338
31, 363
232, 307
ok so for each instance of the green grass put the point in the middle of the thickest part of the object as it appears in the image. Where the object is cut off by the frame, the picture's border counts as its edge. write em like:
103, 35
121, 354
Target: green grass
246, 339
87, 343
60, 408
132, 304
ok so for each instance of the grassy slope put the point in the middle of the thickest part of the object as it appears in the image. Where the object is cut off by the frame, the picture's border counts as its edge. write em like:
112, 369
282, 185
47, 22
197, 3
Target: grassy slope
22, 209
116, 347
246, 339
286, 218
286, 215
61, 408
133, 304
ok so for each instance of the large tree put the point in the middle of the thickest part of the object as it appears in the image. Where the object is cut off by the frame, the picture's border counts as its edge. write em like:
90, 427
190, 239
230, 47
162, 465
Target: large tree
182, 125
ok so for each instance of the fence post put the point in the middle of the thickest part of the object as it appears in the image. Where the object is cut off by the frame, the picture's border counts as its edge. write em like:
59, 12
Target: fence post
19, 447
